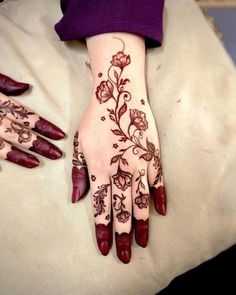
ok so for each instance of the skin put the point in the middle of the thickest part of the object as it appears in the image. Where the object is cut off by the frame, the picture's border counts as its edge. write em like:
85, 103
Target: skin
18, 125
116, 147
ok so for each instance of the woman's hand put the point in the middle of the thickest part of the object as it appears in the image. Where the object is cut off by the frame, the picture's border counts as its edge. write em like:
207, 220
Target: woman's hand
17, 126
116, 147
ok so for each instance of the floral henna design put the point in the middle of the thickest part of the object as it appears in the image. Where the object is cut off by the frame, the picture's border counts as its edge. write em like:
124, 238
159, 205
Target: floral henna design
24, 135
118, 205
78, 157
114, 88
142, 200
98, 198
19, 112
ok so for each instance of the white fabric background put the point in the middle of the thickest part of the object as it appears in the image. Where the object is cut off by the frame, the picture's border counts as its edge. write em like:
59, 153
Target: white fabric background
47, 244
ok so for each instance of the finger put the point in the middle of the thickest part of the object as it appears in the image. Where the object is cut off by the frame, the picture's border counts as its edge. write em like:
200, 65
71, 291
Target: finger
156, 184
80, 180
8, 86
23, 115
122, 208
15, 155
140, 194
101, 198
19, 135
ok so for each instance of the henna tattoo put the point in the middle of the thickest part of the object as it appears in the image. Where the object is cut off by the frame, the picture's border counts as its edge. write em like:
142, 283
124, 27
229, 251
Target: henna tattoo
78, 157
103, 118
80, 178
107, 217
118, 205
115, 145
8, 86
93, 177
142, 101
114, 89
142, 200
99, 75
9, 107
2, 144
46, 148
22, 158
48, 129
24, 135
98, 198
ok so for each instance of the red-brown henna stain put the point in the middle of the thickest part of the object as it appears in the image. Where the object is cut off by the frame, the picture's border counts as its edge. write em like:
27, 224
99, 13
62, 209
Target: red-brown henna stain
22, 158
159, 197
46, 149
98, 198
118, 205
9, 86
104, 237
18, 111
141, 228
93, 177
24, 135
80, 178
48, 129
142, 201
123, 246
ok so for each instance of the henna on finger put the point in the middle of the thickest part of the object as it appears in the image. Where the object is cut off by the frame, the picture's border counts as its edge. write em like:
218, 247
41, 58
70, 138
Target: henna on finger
159, 197
18, 113
8, 86
80, 178
123, 246
46, 149
104, 237
141, 229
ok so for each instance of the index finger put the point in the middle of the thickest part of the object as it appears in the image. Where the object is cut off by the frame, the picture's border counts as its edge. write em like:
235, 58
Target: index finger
23, 115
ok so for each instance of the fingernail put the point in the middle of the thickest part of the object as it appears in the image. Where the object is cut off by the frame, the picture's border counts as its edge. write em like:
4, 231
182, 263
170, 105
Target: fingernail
8, 86
104, 237
141, 228
22, 158
46, 149
123, 246
125, 256
48, 129
159, 197
80, 182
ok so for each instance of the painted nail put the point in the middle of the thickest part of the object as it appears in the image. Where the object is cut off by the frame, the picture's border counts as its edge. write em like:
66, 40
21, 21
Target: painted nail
22, 158
123, 246
159, 197
48, 129
46, 149
8, 86
80, 182
141, 228
104, 237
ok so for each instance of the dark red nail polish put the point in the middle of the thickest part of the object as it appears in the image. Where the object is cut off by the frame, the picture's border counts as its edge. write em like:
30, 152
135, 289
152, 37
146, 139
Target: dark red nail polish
8, 86
22, 158
159, 197
80, 181
123, 246
141, 228
48, 129
104, 237
46, 149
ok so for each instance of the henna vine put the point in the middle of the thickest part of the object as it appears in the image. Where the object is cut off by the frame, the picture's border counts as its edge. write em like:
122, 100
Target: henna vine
98, 198
24, 135
2, 144
8, 107
114, 88
118, 205
143, 199
78, 157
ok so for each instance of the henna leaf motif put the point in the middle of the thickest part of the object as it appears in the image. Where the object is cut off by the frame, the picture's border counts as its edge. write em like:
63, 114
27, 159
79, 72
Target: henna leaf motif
146, 156
115, 159
117, 132
98, 198
122, 110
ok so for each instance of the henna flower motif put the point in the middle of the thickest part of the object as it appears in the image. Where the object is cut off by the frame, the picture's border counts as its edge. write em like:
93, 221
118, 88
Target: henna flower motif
115, 145
123, 216
103, 118
138, 119
120, 60
104, 91
24, 136
122, 179
93, 177
142, 200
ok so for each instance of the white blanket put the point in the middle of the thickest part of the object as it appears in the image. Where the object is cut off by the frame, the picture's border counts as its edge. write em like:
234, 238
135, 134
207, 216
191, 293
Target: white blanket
47, 244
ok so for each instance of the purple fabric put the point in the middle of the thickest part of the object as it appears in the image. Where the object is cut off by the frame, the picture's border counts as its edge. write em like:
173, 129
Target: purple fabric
83, 18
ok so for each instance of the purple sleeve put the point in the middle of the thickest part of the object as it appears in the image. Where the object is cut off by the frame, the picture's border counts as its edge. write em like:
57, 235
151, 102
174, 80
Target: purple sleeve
83, 18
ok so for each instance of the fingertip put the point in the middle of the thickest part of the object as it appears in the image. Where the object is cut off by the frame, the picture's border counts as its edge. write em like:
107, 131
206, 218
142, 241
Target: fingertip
104, 237
159, 197
141, 228
123, 246
80, 183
